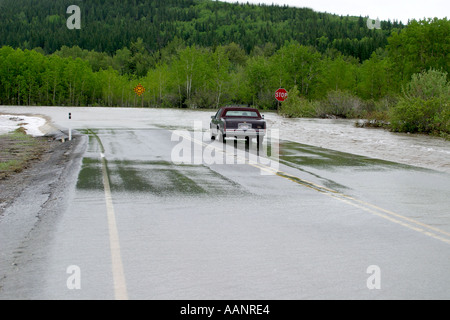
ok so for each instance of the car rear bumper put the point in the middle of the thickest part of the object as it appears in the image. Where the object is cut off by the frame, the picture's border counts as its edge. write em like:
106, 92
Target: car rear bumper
245, 133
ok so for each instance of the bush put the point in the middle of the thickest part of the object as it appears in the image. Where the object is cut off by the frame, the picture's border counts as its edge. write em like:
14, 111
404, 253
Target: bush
424, 108
297, 107
444, 120
416, 115
377, 115
428, 85
202, 99
340, 104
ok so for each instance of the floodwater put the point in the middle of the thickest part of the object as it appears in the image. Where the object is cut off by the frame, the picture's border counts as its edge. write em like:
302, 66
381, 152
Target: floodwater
342, 135
334, 134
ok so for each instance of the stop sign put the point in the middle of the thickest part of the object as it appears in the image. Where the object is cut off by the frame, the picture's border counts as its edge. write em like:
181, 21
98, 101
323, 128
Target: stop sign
281, 94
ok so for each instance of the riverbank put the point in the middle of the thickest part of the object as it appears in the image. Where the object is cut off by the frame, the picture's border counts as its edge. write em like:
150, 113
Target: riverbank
22, 159
19, 150
28, 144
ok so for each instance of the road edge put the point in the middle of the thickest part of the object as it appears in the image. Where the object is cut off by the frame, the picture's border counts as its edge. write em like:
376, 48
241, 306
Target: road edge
27, 224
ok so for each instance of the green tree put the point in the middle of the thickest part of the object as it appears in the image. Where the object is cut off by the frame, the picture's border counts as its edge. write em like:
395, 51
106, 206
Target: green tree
297, 65
7, 76
140, 60
422, 45
189, 71
338, 73
376, 78
425, 105
121, 60
220, 67
259, 72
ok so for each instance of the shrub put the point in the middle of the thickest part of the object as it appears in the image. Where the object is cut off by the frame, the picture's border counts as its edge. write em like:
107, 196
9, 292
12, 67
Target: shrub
422, 116
297, 107
340, 104
378, 113
202, 99
428, 85
424, 108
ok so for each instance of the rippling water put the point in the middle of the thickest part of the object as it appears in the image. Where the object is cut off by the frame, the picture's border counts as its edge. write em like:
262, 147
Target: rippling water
341, 135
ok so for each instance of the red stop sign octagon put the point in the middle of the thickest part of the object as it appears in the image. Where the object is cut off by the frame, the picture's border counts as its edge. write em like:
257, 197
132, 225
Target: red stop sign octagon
281, 94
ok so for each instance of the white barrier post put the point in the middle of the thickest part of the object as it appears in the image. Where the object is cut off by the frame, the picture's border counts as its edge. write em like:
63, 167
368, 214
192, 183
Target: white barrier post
70, 128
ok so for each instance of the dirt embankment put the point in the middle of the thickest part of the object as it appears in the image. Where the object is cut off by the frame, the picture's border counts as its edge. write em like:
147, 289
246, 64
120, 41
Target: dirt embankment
21, 156
18, 151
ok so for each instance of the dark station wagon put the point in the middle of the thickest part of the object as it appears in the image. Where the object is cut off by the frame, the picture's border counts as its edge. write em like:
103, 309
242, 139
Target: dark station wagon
238, 123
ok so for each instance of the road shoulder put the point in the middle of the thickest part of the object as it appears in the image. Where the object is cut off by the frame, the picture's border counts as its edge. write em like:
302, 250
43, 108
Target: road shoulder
32, 201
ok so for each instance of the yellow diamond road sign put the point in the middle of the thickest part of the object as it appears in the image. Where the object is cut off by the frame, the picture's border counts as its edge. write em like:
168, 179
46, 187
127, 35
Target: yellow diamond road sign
139, 89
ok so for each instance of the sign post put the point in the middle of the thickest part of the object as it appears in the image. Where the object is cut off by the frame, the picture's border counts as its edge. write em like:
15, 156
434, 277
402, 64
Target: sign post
280, 95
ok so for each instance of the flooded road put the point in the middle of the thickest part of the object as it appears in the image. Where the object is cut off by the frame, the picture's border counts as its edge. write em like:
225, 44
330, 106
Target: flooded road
334, 134
309, 223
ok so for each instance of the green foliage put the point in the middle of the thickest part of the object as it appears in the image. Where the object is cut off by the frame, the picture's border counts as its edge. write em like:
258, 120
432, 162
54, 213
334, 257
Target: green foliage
108, 26
428, 85
424, 108
422, 45
297, 65
422, 116
340, 104
258, 75
337, 73
295, 106
376, 79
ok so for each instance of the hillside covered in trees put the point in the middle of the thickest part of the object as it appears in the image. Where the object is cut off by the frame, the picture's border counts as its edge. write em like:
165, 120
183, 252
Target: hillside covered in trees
204, 53
114, 24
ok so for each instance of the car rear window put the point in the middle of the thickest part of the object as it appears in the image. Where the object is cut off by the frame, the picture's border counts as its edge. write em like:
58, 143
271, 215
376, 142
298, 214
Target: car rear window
241, 113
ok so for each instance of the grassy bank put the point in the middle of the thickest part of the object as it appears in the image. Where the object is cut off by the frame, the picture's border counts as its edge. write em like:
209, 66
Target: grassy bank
17, 150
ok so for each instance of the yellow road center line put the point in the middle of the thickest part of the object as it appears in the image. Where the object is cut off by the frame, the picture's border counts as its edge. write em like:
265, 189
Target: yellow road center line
381, 212
368, 207
120, 287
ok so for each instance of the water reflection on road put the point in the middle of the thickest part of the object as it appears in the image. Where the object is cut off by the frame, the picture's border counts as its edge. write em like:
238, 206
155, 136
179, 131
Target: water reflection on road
411, 191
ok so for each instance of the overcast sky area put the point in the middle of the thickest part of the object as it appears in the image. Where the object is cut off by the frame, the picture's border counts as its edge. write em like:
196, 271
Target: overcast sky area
383, 9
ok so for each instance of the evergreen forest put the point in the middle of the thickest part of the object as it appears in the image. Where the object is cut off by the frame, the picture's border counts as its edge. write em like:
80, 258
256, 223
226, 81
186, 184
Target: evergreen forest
204, 54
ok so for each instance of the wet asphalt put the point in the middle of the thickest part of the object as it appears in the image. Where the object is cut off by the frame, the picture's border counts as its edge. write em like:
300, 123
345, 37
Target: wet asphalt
159, 213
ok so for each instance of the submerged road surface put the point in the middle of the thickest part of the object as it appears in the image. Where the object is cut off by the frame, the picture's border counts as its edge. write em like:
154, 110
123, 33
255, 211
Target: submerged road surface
158, 212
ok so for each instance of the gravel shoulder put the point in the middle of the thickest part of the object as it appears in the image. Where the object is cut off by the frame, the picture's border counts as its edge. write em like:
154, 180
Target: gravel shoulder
31, 201
30, 158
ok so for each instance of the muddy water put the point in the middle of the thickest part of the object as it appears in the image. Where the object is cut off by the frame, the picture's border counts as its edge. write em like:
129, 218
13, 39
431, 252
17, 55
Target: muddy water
340, 135
343, 135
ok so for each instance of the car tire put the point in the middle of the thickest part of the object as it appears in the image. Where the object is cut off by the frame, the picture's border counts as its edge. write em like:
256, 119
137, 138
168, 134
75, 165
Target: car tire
222, 137
213, 136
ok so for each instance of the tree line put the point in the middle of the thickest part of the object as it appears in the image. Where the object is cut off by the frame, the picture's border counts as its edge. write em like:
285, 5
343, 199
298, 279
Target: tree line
107, 26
